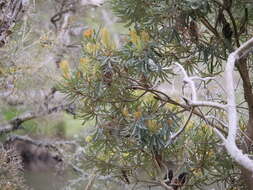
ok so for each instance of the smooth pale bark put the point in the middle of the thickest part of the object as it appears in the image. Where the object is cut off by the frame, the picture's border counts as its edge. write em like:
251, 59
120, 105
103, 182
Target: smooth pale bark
230, 140
233, 150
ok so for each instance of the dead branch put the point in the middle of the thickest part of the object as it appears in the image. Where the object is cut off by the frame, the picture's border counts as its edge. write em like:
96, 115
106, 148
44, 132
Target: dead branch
17, 122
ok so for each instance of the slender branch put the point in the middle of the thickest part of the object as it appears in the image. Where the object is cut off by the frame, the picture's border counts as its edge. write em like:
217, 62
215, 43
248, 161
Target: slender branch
194, 101
91, 181
175, 135
189, 81
219, 121
17, 122
163, 184
39, 143
228, 10
210, 27
205, 104
234, 26
195, 112
220, 135
165, 98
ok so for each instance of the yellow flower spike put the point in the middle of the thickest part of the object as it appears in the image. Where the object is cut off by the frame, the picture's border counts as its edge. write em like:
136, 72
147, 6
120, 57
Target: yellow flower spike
148, 98
169, 106
190, 125
13, 69
152, 126
88, 33
197, 172
137, 115
92, 48
144, 36
125, 112
210, 153
84, 61
64, 66
84, 64
88, 139
134, 37
126, 154
111, 153
138, 92
136, 40
2, 71
152, 123
79, 74
106, 39
101, 157
242, 127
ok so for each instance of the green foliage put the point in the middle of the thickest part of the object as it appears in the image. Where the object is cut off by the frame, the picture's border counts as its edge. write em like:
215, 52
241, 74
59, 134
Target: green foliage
133, 121
209, 164
169, 23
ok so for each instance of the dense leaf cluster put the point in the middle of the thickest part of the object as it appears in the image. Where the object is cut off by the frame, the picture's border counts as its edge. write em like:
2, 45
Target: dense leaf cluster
117, 89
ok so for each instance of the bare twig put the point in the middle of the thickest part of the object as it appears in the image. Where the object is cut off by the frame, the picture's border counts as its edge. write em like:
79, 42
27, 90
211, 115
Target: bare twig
175, 135
91, 181
194, 100
17, 122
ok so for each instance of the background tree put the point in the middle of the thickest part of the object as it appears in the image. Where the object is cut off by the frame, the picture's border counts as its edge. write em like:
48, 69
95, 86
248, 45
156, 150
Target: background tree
37, 40
142, 130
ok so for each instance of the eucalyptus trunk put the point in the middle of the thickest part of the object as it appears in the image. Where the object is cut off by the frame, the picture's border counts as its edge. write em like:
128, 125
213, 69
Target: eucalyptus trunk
248, 95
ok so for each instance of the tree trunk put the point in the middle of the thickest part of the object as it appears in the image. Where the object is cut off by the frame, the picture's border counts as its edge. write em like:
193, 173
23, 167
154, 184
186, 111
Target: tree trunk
246, 174
248, 95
